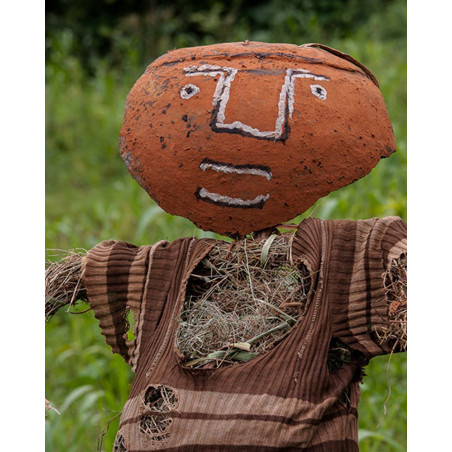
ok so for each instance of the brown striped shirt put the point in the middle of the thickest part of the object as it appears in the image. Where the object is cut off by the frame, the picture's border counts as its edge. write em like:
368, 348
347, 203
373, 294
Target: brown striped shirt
284, 399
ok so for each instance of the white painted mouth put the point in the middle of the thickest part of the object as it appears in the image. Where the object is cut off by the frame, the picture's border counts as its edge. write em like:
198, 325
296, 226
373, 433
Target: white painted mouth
235, 169
222, 200
228, 168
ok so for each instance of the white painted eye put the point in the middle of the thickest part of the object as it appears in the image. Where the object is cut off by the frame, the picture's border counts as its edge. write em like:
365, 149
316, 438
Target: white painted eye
318, 91
188, 91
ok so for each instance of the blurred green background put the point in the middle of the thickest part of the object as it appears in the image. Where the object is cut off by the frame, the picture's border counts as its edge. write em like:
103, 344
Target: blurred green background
94, 53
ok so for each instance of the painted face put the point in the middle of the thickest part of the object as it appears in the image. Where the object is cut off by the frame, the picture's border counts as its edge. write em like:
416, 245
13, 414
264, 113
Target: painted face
240, 137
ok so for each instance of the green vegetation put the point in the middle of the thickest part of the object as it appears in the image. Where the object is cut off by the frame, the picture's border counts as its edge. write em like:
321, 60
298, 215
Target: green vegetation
93, 60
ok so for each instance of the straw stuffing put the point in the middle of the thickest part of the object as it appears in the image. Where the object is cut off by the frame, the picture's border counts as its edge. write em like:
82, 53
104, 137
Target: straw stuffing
395, 281
240, 300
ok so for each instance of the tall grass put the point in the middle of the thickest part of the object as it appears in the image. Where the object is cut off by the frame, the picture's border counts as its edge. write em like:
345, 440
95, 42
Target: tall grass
91, 197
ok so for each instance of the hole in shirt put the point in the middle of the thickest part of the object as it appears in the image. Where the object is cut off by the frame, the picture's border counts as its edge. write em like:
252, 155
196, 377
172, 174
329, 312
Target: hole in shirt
160, 398
241, 299
155, 426
339, 354
155, 422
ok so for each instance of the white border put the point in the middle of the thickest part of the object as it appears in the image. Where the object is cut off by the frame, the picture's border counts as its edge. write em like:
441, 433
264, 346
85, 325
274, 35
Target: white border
429, 228
231, 169
22, 189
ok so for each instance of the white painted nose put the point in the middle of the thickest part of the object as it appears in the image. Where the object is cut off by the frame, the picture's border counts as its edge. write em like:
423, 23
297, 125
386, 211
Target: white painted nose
285, 101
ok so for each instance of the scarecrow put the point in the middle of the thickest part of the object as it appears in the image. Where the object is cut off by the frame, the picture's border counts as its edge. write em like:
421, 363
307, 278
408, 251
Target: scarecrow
259, 343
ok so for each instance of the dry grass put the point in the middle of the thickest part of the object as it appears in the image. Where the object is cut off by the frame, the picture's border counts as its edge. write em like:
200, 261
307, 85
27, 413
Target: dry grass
49, 406
119, 445
160, 398
395, 282
241, 299
156, 426
63, 283
119, 441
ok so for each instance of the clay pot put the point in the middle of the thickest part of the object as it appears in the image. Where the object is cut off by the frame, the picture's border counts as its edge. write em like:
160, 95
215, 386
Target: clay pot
239, 137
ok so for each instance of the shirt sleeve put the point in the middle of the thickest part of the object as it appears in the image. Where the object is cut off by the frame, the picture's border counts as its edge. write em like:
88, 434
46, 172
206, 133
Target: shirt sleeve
362, 255
114, 275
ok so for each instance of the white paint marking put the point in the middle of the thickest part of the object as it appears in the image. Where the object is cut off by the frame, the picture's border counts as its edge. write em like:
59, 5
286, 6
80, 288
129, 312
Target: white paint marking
222, 90
188, 91
233, 202
230, 169
300, 73
319, 91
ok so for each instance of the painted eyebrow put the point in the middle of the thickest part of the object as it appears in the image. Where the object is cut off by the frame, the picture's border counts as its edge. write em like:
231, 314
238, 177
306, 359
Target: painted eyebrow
229, 168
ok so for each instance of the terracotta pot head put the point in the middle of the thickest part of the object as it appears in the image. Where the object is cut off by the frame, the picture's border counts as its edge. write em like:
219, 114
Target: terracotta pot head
239, 137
